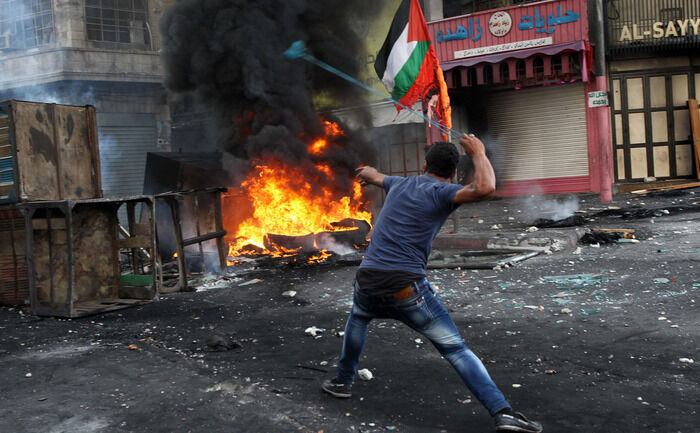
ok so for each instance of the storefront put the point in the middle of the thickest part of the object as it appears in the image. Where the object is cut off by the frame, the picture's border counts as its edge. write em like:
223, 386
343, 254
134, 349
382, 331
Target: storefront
654, 65
519, 76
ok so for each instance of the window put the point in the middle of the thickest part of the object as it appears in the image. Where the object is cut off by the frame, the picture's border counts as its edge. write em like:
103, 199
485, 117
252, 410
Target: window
520, 71
471, 77
119, 21
488, 74
538, 68
575, 64
504, 71
25, 23
556, 65
453, 8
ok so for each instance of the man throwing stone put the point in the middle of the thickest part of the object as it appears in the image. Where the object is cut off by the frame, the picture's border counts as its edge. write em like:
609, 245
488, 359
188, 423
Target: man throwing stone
391, 281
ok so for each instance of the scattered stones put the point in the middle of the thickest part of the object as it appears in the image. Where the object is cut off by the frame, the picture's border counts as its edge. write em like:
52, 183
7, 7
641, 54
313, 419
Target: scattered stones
220, 343
313, 331
250, 282
365, 374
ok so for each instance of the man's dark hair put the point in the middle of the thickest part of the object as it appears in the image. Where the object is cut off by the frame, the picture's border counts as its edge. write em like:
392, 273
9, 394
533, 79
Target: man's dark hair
442, 158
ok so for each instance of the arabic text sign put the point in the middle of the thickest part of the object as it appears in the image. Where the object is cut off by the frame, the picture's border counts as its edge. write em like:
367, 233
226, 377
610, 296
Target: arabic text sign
563, 20
597, 99
537, 20
493, 49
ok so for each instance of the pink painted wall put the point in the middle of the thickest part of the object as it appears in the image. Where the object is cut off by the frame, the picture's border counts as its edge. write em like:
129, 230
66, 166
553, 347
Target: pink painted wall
560, 33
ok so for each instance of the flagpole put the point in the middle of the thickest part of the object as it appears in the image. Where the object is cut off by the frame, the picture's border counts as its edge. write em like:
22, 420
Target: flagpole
298, 51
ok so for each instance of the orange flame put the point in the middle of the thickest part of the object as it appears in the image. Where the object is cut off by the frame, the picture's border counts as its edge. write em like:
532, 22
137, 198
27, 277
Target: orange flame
317, 147
333, 129
320, 257
294, 201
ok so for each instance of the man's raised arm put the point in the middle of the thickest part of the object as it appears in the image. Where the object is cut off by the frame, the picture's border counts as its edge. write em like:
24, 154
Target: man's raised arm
484, 184
370, 175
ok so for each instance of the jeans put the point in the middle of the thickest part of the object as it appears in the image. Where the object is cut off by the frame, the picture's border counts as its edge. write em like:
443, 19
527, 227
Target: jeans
425, 313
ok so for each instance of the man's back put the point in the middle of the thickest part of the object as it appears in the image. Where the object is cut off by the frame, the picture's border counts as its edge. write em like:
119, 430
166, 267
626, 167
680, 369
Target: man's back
414, 211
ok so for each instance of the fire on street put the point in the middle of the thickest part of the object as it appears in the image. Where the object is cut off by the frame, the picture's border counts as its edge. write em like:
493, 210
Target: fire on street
593, 338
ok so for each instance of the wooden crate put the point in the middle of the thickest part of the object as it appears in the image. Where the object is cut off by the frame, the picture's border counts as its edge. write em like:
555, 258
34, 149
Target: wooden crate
74, 254
48, 152
14, 284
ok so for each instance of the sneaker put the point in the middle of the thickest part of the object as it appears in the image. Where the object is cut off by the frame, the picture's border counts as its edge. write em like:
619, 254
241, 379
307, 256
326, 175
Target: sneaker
337, 389
516, 422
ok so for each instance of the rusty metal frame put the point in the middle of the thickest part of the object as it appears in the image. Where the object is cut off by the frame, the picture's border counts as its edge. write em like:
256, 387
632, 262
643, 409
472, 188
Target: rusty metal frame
66, 207
173, 199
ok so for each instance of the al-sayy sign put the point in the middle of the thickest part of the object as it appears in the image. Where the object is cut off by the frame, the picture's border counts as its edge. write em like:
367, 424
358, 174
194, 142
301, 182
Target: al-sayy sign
661, 30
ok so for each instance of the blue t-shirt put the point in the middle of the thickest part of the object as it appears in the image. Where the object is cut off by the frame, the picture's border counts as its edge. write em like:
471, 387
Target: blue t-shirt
415, 209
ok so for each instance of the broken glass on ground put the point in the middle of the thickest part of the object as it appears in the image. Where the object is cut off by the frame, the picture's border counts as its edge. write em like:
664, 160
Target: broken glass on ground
577, 281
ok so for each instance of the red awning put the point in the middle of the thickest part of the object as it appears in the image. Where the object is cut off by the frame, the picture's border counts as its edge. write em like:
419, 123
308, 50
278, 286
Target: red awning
549, 50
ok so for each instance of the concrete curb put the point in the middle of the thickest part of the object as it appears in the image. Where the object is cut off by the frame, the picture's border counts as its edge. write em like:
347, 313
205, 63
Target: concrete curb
541, 240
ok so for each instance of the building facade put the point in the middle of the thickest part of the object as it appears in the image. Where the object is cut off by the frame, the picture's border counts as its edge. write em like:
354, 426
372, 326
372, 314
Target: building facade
93, 52
654, 68
519, 76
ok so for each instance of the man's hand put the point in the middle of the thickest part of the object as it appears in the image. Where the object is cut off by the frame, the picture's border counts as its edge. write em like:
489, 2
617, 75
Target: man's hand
472, 145
484, 184
369, 175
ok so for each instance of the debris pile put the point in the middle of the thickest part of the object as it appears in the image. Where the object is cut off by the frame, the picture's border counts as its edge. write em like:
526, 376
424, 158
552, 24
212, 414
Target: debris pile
572, 221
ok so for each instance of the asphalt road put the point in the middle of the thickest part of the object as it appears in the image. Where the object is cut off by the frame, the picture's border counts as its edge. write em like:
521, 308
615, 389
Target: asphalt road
607, 346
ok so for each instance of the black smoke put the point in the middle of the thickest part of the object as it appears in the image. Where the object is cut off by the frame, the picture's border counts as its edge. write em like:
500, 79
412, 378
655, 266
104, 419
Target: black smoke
230, 53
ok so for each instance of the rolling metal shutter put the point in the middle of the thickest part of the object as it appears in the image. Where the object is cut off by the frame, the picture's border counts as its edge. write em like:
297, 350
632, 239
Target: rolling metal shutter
125, 139
541, 132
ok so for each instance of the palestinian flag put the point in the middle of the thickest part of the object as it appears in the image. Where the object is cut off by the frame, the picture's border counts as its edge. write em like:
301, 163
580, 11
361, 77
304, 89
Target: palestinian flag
408, 66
